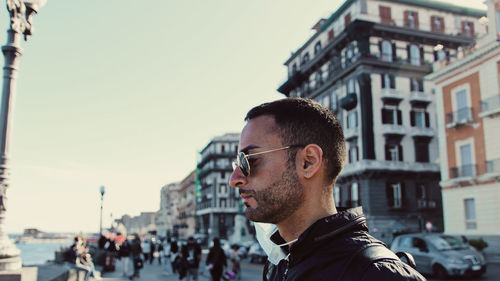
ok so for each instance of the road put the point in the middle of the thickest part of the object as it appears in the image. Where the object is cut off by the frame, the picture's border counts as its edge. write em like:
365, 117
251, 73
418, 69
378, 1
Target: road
251, 272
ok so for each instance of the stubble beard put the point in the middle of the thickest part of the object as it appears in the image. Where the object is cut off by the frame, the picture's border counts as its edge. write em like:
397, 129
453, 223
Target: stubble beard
279, 200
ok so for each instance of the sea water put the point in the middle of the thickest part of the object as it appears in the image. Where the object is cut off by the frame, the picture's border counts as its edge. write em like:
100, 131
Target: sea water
39, 253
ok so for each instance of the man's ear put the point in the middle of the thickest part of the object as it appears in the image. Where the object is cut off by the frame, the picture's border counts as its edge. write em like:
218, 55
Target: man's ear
311, 160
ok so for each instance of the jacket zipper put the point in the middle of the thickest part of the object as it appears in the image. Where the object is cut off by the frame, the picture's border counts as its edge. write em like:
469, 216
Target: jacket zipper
286, 269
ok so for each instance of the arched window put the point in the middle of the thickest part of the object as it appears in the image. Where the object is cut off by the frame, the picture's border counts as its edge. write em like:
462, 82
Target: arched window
386, 51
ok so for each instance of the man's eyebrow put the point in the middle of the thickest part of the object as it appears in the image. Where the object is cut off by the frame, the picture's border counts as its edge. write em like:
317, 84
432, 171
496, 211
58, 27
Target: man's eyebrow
248, 147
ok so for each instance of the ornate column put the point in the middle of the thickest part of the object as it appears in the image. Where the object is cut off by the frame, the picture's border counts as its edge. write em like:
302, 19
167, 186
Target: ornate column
21, 14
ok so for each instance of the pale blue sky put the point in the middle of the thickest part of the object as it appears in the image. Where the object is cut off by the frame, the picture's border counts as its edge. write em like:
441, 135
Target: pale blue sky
124, 93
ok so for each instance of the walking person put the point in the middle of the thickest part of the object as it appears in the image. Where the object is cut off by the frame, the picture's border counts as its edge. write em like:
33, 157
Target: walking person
160, 251
235, 258
146, 250
174, 252
216, 260
124, 255
152, 250
136, 251
291, 153
167, 255
192, 255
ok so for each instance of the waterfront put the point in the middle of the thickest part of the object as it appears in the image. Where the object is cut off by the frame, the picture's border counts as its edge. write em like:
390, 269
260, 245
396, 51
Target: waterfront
39, 253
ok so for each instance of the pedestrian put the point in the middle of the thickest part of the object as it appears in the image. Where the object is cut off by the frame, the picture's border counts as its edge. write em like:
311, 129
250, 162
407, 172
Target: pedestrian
152, 250
146, 250
174, 252
192, 254
291, 153
136, 251
235, 258
124, 256
216, 260
167, 255
161, 250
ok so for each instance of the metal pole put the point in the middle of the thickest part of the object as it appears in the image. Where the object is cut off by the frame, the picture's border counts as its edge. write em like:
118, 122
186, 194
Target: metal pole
100, 224
20, 24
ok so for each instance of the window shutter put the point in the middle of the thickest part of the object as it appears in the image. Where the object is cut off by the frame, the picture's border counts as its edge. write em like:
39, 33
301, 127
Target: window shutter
350, 159
357, 153
384, 116
471, 24
441, 20
433, 25
463, 28
421, 85
389, 194
422, 59
415, 15
435, 56
412, 88
347, 19
394, 57
387, 153
380, 48
400, 152
408, 57
393, 83
330, 35
418, 191
406, 21
403, 194
447, 55
399, 117
427, 120
382, 80
412, 118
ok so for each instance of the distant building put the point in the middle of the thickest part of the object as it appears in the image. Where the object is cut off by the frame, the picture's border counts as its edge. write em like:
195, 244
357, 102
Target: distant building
217, 203
366, 62
186, 219
167, 215
142, 224
468, 106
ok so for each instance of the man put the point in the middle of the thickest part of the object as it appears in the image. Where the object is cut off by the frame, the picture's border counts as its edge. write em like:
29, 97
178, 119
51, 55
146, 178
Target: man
124, 254
291, 153
192, 254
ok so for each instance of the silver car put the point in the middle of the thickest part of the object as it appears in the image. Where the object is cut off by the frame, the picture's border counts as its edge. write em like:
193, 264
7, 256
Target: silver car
441, 255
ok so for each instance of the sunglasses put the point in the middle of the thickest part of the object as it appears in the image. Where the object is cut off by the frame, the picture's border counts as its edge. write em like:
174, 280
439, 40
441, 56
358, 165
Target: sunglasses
244, 165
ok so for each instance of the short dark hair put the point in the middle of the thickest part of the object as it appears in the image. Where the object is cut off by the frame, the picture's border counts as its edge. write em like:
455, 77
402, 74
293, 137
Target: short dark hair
305, 121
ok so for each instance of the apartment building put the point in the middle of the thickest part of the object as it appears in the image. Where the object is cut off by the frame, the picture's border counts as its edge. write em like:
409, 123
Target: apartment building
468, 107
186, 220
166, 219
366, 62
217, 203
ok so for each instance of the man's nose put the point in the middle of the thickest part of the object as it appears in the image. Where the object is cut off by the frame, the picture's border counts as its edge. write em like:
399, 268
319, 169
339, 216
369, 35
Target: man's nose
237, 178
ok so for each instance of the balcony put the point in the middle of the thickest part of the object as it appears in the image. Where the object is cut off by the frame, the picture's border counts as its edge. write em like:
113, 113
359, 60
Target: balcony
422, 132
490, 106
418, 97
426, 204
463, 116
393, 130
469, 170
493, 166
392, 166
391, 95
351, 133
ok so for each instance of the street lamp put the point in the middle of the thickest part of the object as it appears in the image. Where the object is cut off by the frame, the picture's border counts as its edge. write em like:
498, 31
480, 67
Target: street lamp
102, 190
21, 15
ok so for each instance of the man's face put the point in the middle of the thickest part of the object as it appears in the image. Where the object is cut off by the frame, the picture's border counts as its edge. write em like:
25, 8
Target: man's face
272, 191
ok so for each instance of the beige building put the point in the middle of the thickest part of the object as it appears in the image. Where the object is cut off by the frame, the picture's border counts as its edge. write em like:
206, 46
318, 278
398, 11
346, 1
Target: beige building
186, 208
468, 106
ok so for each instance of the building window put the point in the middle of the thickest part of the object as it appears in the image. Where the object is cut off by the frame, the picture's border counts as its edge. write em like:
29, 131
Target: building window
353, 153
223, 203
437, 24
391, 115
467, 29
385, 14
331, 35
393, 152
351, 88
305, 58
388, 81
294, 68
222, 148
352, 119
414, 54
387, 51
347, 19
411, 19
422, 151
317, 48
441, 55
336, 194
462, 101
416, 85
394, 193
333, 101
222, 175
470, 213
354, 195
466, 160
222, 189
419, 118
325, 101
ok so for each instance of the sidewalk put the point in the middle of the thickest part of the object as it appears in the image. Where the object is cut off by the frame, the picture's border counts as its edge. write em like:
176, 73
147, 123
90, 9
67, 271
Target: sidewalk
150, 272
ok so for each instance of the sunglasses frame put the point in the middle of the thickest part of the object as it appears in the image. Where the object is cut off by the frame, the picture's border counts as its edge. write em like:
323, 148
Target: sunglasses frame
244, 157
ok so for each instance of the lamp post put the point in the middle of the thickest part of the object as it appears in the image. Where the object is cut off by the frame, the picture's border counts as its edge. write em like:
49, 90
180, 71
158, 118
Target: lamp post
21, 15
102, 190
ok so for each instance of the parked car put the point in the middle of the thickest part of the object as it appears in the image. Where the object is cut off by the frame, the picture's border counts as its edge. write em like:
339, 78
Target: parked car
256, 253
441, 255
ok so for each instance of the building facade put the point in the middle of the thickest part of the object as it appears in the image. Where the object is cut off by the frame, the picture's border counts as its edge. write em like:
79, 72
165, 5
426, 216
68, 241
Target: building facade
366, 62
217, 203
141, 225
468, 106
186, 222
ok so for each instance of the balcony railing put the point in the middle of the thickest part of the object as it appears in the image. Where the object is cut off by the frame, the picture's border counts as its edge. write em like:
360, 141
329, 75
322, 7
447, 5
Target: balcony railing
420, 97
350, 133
490, 106
393, 129
460, 117
469, 170
391, 94
422, 132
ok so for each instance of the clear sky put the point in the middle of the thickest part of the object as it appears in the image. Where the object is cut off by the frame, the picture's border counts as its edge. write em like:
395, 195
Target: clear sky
125, 93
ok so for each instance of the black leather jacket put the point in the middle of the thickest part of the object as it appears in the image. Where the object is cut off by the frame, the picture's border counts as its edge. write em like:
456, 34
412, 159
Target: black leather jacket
324, 249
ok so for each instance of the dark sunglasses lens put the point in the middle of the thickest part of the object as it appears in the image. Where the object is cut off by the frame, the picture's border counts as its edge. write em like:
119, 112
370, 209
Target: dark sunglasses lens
243, 164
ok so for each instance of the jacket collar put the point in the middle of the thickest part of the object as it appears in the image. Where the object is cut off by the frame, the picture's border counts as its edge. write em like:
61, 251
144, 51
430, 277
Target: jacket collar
346, 220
